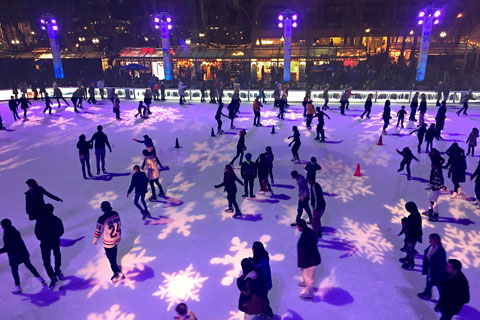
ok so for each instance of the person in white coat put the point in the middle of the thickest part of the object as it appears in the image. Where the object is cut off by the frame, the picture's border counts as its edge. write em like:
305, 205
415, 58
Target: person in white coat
153, 173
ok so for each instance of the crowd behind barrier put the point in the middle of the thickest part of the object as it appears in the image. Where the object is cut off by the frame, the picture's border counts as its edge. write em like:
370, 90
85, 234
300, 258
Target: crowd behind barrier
194, 95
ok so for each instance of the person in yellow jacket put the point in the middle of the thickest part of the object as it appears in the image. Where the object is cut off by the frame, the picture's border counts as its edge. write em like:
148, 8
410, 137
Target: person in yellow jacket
310, 114
256, 110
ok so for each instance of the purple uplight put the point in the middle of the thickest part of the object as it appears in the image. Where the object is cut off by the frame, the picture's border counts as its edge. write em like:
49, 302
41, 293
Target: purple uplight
420, 22
157, 26
280, 17
169, 27
294, 17
53, 21
294, 24
169, 19
55, 28
280, 25
437, 13
42, 21
436, 21
157, 19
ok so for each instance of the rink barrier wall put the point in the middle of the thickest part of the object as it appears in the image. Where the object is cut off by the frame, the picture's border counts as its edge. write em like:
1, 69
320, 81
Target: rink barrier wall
194, 95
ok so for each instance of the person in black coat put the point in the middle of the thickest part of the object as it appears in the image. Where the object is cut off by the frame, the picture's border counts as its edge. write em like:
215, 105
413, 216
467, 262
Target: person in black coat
476, 176
140, 184
368, 106
420, 135
84, 154
48, 230
17, 253
229, 179
318, 205
218, 118
453, 150
408, 156
35, 205
249, 173
13, 106
440, 119
24, 104
386, 116
434, 263
413, 233
263, 168
101, 140
308, 258
430, 135
454, 290
457, 173
241, 148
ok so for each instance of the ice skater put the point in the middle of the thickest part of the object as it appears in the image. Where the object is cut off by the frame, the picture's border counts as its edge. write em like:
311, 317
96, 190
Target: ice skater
310, 114
440, 119
476, 176
76, 96
321, 123
57, 93
282, 101
241, 148
13, 106
367, 107
48, 104
17, 252
230, 187
261, 262
24, 105
422, 109
153, 173
84, 154
232, 114
308, 258
251, 302
270, 157
420, 135
408, 156
429, 136
35, 204
141, 110
343, 102
325, 97
147, 99
386, 116
457, 173
318, 206
312, 167
414, 106
1, 124
203, 91
256, 111
109, 225
48, 230
116, 107
453, 150
218, 118
437, 186
101, 140
464, 100
139, 182
413, 233
472, 141
433, 266
91, 93
401, 116
148, 143
303, 197
183, 312
248, 172
263, 168
296, 144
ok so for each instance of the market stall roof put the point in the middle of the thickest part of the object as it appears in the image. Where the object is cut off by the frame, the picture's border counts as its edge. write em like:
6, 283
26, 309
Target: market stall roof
46, 54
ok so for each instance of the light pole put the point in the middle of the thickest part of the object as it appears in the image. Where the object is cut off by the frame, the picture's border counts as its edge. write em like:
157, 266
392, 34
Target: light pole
427, 18
287, 19
162, 21
49, 23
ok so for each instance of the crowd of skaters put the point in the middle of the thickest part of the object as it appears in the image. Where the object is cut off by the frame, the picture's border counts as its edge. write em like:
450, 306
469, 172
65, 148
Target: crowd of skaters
255, 281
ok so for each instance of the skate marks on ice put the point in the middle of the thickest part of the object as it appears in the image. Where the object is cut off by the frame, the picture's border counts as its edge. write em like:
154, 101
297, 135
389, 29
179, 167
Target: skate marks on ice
133, 265
180, 286
240, 250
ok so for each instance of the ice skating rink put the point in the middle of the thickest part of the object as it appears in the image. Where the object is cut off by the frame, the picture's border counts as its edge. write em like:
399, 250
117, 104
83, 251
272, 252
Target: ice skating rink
192, 251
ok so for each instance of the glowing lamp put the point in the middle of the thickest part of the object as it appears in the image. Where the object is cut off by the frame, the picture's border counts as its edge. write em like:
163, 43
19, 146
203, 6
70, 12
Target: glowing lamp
280, 17
421, 14
53, 21
420, 22
436, 21
157, 26
169, 19
280, 25
42, 21
169, 27
411, 32
437, 13
294, 17
459, 15
43, 28
55, 28
443, 34
294, 24
157, 20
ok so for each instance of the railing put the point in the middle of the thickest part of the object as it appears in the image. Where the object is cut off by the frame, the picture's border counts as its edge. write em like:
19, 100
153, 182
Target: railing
359, 96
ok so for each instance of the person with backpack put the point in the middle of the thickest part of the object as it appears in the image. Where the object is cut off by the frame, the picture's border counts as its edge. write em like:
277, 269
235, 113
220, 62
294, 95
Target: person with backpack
48, 230
17, 252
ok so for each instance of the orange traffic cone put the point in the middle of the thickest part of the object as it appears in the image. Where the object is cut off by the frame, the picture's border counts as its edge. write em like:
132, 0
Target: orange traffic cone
357, 172
380, 141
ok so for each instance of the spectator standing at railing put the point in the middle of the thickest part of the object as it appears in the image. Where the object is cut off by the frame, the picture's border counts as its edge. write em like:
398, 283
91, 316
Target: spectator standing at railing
325, 96
162, 91
414, 106
343, 102
440, 89
212, 92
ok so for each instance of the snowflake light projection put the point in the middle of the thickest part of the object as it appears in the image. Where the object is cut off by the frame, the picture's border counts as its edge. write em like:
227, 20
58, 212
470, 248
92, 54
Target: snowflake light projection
236, 315
133, 263
398, 212
366, 240
135, 161
14, 163
293, 115
247, 207
31, 122
369, 135
61, 123
370, 154
337, 178
208, 153
113, 313
181, 220
159, 114
462, 245
241, 250
102, 196
180, 186
289, 214
458, 208
269, 114
269, 122
180, 287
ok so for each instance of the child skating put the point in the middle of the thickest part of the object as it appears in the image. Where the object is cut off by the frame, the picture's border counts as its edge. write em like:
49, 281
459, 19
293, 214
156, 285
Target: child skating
401, 116
472, 141
408, 156
420, 135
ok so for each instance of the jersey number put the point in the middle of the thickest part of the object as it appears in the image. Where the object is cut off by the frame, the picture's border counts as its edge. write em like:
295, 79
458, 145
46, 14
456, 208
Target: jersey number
114, 230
